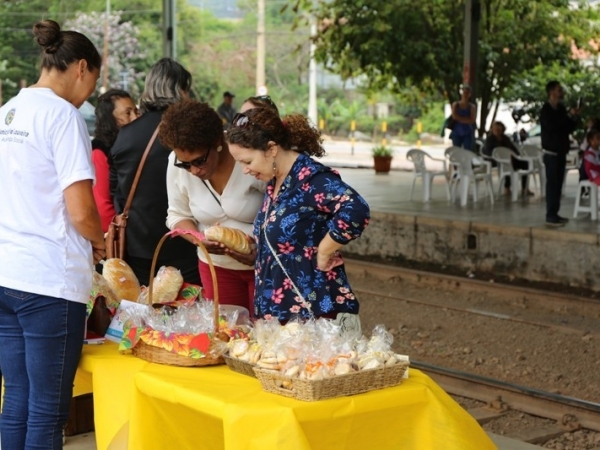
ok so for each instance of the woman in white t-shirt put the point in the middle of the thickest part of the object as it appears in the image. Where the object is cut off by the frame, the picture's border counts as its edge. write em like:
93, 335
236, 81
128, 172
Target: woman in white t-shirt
50, 236
205, 187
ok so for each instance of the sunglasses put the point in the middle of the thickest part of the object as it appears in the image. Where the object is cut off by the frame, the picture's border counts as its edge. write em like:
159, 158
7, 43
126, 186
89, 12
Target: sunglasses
265, 99
197, 163
241, 120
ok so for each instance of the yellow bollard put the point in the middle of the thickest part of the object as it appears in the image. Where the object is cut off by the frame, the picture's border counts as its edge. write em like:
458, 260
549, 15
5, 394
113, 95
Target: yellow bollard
419, 131
384, 131
321, 124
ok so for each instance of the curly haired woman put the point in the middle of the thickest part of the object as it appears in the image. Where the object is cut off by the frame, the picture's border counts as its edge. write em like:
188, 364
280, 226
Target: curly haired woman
205, 187
308, 214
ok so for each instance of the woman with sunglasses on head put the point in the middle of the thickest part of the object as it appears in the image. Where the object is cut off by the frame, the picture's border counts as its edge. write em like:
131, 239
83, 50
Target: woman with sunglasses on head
207, 187
167, 83
308, 214
259, 101
115, 109
50, 234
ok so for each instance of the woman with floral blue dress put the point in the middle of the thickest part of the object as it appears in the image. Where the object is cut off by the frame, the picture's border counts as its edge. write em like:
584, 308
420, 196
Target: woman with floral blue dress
307, 215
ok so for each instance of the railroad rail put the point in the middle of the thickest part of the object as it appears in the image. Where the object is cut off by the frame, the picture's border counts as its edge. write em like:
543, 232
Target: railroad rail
570, 413
547, 298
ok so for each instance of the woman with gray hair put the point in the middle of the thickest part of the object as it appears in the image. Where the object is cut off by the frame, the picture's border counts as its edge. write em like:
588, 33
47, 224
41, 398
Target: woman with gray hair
167, 82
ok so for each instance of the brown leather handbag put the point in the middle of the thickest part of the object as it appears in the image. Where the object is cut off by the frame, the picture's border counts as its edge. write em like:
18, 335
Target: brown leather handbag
115, 236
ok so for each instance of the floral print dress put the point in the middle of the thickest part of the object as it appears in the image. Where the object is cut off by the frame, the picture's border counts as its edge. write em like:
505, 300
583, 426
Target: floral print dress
312, 202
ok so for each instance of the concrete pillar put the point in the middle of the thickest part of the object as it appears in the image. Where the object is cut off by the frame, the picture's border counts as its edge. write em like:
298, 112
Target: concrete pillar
169, 29
472, 17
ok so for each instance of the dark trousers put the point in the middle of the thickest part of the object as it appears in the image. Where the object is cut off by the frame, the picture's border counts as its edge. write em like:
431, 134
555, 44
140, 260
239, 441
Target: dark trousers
555, 175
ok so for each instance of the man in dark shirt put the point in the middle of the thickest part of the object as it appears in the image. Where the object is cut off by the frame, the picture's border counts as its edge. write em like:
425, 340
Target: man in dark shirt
226, 110
557, 124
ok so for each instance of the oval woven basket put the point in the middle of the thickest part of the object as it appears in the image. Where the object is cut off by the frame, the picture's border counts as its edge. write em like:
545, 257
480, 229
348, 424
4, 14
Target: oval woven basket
159, 355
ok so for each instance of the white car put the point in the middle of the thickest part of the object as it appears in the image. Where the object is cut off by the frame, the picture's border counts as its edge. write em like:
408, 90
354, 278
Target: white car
534, 137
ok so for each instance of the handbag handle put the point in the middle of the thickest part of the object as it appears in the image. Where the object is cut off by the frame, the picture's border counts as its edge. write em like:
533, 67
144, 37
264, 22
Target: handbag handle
138, 174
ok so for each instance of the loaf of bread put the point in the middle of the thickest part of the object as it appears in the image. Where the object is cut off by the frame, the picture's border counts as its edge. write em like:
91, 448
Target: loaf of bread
232, 238
121, 279
166, 285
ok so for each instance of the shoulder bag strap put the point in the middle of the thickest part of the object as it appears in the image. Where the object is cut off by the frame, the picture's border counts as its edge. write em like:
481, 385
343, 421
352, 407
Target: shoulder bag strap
139, 172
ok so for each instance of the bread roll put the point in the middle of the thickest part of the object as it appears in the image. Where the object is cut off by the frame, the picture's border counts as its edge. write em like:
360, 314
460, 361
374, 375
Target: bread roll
166, 286
121, 279
232, 238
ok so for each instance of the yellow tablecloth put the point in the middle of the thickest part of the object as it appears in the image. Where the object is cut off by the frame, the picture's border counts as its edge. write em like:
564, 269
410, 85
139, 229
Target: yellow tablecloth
151, 406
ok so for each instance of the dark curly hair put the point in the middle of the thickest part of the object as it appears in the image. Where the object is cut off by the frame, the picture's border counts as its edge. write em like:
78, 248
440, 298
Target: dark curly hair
293, 132
106, 124
190, 125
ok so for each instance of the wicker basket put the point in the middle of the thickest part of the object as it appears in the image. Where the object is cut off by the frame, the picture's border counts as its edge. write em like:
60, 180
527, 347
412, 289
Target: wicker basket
159, 355
239, 366
338, 386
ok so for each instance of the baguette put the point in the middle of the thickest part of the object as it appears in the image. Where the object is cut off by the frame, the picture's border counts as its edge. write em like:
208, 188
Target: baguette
232, 238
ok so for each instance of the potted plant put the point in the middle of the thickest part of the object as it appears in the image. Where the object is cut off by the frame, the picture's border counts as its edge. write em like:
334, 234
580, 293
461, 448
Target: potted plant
382, 158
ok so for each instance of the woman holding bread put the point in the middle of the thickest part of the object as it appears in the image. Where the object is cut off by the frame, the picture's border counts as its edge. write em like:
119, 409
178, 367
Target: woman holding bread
307, 215
206, 187
50, 234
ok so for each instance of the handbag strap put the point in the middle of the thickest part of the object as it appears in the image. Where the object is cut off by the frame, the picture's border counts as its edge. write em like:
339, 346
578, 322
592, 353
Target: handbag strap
211, 191
139, 172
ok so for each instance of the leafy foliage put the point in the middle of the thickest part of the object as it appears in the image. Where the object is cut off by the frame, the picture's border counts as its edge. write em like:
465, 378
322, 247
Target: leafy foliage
403, 43
123, 47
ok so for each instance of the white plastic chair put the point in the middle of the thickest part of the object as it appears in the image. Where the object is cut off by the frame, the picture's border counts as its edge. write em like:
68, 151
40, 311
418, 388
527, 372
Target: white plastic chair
593, 208
539, 169
453, 175
418, 158
503, 156
573, 163
464, 160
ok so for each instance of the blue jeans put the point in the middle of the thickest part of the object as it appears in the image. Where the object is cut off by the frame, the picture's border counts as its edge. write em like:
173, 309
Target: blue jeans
41, 340
466, 141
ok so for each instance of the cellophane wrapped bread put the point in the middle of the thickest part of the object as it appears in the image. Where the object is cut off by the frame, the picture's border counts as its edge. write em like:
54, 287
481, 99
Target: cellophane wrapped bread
232, 238
121, 279
166, 285
100, 285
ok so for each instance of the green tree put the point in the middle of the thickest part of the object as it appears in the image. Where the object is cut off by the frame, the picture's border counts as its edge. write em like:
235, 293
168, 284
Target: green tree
404, 43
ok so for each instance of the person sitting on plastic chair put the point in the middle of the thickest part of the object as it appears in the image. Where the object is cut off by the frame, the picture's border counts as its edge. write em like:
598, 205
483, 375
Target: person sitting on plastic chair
498, 138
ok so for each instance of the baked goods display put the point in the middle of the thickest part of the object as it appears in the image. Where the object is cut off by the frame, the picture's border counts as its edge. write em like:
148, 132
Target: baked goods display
121, 279
289, 359
232, 238
314, 350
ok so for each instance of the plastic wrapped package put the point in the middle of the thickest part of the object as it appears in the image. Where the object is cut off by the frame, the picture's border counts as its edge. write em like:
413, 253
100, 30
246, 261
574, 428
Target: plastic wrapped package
166, 285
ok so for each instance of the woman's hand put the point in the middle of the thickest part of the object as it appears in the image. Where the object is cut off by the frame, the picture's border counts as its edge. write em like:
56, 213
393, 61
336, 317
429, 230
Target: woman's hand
216, 248
248, 260
99, 251
327, 261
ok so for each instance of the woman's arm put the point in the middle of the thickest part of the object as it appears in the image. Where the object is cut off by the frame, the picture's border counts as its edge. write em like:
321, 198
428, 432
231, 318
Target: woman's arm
349, 215
84, 216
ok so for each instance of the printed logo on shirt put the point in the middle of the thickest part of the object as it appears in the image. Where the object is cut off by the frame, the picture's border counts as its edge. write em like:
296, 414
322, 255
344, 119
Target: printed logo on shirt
9, 117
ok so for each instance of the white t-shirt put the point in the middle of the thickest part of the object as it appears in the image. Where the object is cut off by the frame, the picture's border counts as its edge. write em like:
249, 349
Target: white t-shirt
190, 199
44, 148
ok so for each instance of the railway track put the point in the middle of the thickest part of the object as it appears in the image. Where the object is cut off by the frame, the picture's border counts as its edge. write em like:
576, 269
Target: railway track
569, 413
550, 300
501, 401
